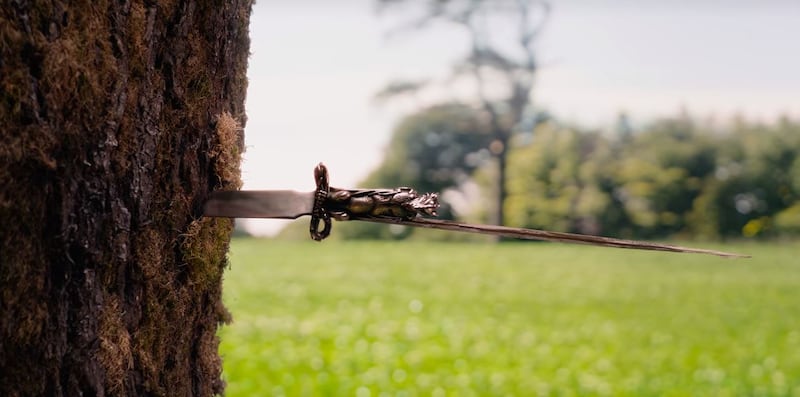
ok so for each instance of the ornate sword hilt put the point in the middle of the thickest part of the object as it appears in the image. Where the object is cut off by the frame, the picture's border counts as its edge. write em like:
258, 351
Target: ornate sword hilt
401, 203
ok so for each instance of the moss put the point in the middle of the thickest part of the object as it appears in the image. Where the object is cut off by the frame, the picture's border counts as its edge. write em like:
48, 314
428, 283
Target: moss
138, 33
226, 151
115, 345
201, 88
150, 249
204, 249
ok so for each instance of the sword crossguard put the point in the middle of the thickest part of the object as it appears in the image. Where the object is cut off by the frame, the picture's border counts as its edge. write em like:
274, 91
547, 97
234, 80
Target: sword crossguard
320, 213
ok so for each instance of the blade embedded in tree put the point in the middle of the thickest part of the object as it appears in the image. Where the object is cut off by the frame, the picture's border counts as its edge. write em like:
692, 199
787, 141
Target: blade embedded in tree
277, 204
400, 206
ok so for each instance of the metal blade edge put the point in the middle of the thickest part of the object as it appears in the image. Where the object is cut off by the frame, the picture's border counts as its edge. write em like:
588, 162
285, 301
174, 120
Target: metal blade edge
544, 235
275, 204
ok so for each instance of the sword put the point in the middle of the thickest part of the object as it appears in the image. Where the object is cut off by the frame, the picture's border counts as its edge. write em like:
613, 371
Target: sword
400, 206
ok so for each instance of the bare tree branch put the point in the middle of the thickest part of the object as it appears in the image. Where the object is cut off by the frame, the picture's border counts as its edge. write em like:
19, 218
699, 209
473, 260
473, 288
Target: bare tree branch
397, 88
484, 60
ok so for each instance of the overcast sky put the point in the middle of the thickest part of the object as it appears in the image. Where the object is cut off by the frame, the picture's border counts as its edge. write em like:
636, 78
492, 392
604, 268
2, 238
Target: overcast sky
316, 64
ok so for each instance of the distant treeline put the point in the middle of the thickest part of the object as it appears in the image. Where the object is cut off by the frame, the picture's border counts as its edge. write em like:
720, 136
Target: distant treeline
673, 178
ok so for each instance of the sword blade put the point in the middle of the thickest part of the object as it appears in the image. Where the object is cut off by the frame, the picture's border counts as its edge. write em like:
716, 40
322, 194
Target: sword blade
545, 235
400, 206
278, 204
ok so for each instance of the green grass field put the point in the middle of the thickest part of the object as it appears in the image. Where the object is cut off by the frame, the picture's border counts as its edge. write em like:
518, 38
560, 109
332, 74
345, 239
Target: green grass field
517, 319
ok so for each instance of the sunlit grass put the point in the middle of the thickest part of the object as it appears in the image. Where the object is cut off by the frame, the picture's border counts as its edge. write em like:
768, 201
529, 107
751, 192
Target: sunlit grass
439, 319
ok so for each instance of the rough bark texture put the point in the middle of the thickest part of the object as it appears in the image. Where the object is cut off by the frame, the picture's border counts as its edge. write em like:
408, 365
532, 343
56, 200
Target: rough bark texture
118, 118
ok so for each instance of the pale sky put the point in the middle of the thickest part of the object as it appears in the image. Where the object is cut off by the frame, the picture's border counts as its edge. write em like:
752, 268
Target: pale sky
316, 64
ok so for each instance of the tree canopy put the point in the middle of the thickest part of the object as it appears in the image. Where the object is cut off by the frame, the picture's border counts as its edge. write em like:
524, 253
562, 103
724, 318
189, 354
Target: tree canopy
675, 177
434, 150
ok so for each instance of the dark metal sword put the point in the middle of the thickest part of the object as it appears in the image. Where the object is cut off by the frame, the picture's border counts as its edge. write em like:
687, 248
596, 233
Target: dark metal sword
400, 206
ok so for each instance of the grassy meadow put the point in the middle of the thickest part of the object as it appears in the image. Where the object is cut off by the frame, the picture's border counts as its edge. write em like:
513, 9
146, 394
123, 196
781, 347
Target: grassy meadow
514, 319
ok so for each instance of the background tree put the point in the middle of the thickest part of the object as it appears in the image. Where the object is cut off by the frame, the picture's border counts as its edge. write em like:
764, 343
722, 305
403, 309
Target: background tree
754, 182
672, 178
501, 70
555, 180
118, 119
660, 172
433, 150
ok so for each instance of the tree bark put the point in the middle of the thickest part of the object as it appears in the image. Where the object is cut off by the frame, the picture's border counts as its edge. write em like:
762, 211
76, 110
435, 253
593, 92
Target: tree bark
118, 118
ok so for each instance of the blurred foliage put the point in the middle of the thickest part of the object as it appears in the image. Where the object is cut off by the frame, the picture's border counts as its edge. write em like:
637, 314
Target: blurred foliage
675, 177
552, 182
432, 151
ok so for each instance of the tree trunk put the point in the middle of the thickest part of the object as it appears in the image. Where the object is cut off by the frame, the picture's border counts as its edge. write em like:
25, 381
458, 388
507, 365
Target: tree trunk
116, 125
502, 187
